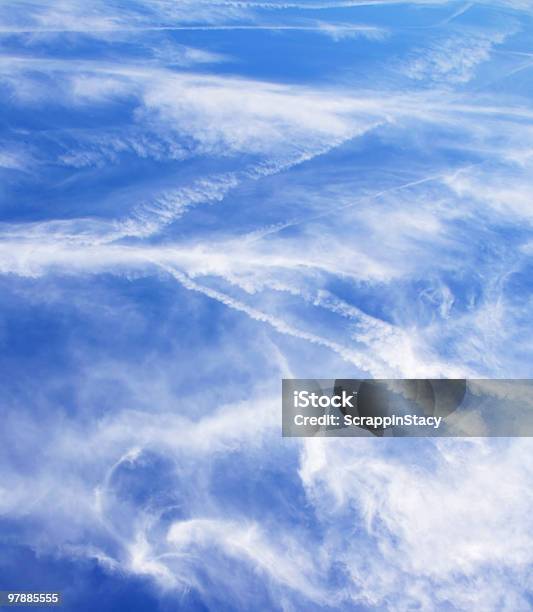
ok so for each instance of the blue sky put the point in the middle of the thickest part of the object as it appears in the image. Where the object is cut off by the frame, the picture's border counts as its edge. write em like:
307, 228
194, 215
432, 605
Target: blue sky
199, 198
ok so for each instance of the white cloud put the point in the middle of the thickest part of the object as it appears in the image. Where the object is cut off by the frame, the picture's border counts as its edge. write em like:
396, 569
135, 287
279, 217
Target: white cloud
507, 190
12, 160
455, 59
409, 278
456, 517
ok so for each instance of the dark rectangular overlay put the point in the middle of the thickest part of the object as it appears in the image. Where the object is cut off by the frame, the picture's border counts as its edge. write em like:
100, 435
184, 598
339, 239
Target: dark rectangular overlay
407, 407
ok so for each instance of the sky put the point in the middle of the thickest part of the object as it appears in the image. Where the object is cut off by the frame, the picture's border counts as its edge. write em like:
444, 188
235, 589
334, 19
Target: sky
199, 198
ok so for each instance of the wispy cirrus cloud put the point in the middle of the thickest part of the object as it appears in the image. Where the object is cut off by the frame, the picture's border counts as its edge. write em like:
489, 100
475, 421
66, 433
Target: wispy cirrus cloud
215, 195
454, 59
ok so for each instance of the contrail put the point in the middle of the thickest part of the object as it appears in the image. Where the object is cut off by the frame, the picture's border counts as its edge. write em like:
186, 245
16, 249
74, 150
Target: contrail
366, 198
326, 28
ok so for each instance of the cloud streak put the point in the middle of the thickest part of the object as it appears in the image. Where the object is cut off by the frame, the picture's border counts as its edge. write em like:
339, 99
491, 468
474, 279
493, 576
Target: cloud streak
199, 198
